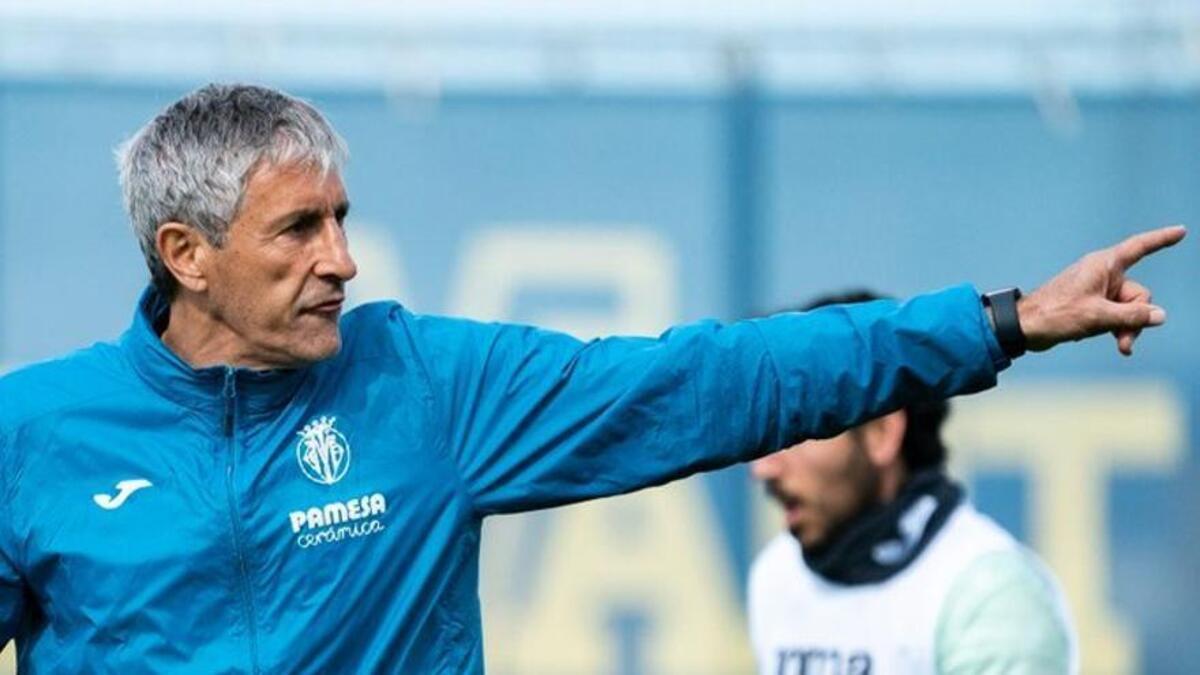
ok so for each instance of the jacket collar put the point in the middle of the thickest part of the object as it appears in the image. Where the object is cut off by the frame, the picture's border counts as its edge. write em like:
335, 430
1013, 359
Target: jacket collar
253, 391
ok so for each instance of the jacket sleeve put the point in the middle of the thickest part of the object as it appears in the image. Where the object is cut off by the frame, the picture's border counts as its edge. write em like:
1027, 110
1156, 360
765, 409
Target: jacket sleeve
12, 589
536, 419
1005, 616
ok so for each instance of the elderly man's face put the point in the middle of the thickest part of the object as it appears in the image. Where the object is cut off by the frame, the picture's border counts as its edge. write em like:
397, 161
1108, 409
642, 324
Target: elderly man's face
279, 280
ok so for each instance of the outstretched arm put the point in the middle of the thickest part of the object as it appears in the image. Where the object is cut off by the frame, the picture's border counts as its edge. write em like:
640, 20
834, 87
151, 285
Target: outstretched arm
535, 419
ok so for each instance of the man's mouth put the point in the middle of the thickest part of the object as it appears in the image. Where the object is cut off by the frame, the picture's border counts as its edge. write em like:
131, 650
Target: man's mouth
793, 506
332, 306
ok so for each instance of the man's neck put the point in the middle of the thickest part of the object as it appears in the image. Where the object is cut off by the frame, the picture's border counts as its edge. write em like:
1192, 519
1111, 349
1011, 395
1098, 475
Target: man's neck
202, 340
891, 482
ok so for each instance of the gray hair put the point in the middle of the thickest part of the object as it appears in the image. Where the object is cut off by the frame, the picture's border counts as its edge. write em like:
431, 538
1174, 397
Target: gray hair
190, 164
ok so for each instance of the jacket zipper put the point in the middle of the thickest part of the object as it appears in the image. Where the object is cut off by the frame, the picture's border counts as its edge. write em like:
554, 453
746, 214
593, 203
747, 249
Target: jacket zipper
230, 396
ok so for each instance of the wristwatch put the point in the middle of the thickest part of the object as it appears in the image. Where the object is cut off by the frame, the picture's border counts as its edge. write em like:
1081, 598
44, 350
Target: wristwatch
1002, 305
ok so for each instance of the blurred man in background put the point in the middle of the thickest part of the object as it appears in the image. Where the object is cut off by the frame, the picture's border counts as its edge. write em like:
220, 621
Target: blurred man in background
887, 567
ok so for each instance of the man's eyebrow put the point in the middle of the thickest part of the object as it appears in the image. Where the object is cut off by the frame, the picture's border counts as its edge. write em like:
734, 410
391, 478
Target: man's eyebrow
309, 212
303, 213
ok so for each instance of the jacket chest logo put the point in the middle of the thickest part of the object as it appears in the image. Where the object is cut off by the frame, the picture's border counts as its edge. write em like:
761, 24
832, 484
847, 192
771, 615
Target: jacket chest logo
124, 489
323, 452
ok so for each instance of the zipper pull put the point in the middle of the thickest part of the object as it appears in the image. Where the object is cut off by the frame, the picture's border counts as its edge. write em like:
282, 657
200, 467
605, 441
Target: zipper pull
230, 394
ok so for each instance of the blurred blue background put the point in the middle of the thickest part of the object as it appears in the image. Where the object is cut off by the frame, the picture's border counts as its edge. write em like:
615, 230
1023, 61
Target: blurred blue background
603, 168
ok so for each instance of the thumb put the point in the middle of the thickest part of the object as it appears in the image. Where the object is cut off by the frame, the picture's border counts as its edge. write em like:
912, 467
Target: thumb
1133, 315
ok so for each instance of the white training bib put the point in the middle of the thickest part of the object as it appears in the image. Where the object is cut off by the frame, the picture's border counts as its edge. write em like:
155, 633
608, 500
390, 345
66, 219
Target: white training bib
801, 624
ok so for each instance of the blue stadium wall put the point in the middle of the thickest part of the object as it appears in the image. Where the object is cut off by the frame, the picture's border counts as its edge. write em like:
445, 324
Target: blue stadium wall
726, 204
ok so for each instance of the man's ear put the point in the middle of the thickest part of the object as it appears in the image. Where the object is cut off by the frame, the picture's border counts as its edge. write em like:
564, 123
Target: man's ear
185, 252
883, 438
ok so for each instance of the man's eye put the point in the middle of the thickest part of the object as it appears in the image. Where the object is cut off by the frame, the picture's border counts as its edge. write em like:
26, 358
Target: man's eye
301, 226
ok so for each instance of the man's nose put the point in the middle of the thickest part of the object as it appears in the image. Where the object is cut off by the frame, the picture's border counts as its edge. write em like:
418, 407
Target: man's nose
335, 259
767, 468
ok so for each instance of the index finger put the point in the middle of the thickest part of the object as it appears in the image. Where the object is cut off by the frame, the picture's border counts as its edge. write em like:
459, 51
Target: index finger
1133, 249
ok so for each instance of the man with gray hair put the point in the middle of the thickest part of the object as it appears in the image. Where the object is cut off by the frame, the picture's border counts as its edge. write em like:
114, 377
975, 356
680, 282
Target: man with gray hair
249, 481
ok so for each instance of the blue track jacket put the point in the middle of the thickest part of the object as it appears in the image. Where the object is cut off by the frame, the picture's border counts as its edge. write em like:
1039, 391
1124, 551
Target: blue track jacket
158, 518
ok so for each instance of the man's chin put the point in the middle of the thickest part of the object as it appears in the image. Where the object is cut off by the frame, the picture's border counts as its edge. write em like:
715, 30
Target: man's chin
809, 541
317, 347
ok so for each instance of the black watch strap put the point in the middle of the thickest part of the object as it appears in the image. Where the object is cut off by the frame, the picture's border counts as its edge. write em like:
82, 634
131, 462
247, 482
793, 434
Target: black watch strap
1003, 305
